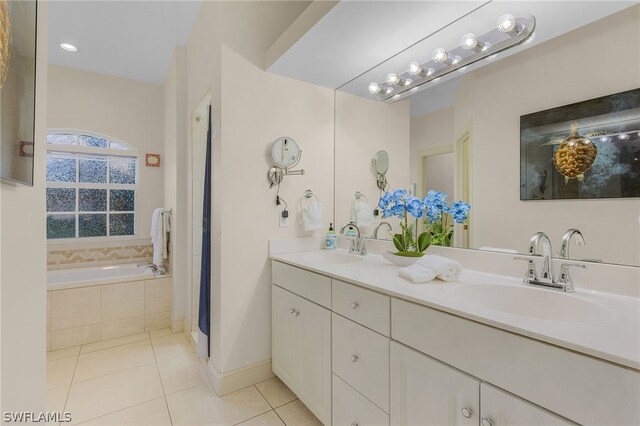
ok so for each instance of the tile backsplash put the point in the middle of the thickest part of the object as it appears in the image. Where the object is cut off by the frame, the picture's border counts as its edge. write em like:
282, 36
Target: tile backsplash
81, 254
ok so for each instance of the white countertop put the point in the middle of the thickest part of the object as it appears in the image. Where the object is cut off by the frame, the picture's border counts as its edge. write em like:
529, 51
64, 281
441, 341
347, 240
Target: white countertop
613, 337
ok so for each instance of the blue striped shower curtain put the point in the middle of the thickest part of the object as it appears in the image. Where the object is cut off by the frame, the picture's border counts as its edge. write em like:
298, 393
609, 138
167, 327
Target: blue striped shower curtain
204, 316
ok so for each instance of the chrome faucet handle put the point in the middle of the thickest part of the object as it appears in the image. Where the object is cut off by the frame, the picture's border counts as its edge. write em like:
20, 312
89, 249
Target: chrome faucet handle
565, 277
531, 274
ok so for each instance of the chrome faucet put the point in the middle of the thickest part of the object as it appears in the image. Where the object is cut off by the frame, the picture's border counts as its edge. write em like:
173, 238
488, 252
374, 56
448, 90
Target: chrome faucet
565, 277
375, 231
160, 270
357, 243
547, 279
547, 266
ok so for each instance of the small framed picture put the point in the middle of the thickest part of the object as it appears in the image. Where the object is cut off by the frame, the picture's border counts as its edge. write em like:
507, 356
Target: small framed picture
152, 160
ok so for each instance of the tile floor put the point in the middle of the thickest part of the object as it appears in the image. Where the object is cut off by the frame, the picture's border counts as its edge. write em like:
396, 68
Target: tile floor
155, 379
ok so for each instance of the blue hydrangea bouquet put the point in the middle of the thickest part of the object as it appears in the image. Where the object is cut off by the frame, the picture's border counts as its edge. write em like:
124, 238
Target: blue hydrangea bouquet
437, 213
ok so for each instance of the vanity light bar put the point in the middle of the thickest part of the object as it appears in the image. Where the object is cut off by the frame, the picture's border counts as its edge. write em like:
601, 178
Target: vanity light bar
510, 31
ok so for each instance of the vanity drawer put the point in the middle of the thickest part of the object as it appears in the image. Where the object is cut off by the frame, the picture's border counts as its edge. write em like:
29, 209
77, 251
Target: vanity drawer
309, 285
366, 307
361, 358
351, 408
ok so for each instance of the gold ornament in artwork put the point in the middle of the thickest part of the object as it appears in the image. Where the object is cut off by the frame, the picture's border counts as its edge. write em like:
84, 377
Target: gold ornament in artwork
575, 155
5, 40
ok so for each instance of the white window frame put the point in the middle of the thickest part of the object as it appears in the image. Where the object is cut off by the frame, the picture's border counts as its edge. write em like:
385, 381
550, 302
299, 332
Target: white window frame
129, 153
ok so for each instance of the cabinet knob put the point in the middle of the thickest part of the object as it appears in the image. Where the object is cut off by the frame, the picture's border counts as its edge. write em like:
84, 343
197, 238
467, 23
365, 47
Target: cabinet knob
486, 421
354, 358
466, 412
354, 305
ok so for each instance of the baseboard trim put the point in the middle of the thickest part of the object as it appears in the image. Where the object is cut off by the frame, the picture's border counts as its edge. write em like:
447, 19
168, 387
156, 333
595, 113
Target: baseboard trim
238, 379
177, 325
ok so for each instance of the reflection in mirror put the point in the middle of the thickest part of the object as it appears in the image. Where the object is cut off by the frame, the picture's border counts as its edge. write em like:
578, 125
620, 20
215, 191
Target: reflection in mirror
17, 93
380, 163
463, 136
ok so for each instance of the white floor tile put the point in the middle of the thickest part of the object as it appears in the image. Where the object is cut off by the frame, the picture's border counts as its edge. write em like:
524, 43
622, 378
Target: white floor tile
152, 413
171, 346
56, 399
180, 373
275, 392
267, 419
107, 361
60, 372
106, 394
160, 333
105, 344
297, 414
201, 406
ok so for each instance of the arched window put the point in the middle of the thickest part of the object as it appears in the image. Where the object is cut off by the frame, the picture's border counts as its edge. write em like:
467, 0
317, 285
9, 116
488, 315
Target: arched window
91, 186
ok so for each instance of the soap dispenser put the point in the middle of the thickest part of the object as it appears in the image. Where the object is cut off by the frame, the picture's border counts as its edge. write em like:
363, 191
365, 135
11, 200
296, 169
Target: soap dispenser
330, 240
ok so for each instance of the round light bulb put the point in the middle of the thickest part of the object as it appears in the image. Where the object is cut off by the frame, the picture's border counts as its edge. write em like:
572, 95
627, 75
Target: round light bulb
440, 55
414, 68
374, 88
605, 139
68, 47
623, 136
506, 23
469, 41
392, 78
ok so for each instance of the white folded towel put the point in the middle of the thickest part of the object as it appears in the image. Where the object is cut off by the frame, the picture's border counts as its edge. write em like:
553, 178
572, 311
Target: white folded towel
362, 213
417, 273
159, 228
445, 269
311, 215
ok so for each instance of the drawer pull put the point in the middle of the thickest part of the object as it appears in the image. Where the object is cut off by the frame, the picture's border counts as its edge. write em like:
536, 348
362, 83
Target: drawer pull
486, 421
466, 412
354, 358
354, 305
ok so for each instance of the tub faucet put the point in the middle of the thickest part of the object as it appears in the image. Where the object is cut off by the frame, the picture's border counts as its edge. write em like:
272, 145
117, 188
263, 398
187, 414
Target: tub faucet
357, 243
375, 231
160, 270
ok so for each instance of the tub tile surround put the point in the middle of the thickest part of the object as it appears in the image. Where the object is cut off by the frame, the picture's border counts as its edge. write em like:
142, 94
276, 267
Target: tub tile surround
155, 378
87, 254
85, 315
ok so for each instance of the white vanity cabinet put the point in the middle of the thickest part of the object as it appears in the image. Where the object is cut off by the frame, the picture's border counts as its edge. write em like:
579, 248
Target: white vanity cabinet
301, 349
427, 392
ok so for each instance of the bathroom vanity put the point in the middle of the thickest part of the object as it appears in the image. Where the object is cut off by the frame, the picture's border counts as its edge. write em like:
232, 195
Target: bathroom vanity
361, 346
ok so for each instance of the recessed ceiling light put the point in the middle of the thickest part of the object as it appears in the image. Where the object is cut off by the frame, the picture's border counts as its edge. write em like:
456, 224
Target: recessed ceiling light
68, 47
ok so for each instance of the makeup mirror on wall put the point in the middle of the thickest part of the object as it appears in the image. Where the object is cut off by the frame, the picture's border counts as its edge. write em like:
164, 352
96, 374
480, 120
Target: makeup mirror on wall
462, 134
17, 91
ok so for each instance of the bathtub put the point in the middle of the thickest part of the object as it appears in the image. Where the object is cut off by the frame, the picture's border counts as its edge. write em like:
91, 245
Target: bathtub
85, 277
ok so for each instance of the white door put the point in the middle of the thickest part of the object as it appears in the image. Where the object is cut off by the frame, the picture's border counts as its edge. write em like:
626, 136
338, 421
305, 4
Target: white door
500, 408
284, 354
313, 347
427, 392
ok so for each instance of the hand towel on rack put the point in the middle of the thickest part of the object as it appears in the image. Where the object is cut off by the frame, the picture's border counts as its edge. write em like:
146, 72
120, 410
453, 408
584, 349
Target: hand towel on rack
158, 236
445, 269
362, 213
310, 215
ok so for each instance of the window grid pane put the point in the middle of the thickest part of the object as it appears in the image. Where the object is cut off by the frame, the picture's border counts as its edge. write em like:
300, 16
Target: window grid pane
89, 195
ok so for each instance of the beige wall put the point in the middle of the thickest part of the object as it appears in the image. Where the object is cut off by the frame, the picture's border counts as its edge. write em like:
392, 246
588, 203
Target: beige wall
175, 177
429, 131
364, 127
23, 268
489, 103
240, 303
128, 110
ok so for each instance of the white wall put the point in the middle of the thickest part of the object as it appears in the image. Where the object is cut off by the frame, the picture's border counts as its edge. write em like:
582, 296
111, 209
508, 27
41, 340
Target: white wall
128, 110
23, 261
175, 178
428, 131
489, 103
241, 315
364, 127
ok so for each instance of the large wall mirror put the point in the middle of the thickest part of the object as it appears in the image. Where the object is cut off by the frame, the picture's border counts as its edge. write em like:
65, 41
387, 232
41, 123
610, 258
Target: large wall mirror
462, 134
17, 92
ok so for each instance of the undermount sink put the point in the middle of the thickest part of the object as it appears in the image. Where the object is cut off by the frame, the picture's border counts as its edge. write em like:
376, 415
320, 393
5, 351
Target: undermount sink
533, 302
333, 258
